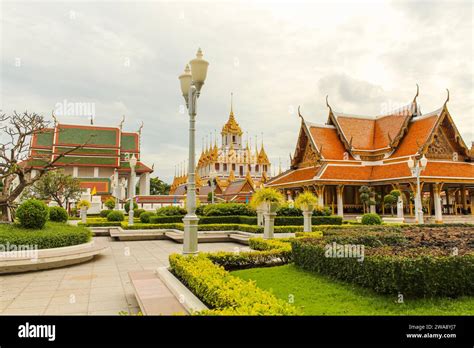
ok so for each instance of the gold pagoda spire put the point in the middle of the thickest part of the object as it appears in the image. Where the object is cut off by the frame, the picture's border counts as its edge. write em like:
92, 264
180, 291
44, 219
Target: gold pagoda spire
231, 127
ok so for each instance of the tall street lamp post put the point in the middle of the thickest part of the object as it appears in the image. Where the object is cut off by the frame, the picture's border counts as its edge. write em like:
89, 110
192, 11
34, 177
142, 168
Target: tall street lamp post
133, 163
191, 82
417, 166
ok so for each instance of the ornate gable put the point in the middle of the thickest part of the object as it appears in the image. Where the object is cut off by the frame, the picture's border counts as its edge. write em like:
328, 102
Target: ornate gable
305, 154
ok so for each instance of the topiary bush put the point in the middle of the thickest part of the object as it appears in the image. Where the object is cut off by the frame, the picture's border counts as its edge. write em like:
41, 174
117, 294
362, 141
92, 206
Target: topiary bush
32, 214
58, 214
127, 206
146, 216
171, 210
138, 212
104, 213
286, 210
322, 211
110, 203
115, 215
225, 209
371, 219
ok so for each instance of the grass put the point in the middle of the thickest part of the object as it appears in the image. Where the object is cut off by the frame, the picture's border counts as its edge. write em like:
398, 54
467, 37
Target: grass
317, 295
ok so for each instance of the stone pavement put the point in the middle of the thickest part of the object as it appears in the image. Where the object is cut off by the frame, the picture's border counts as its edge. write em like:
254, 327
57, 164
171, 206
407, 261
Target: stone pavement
98, 287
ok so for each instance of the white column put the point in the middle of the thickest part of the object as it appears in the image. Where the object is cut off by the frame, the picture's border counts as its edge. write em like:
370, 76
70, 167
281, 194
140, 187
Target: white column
96, 172
307, 214
340, 203
75, 172
268, 232
437, 204
400, 206
144, 183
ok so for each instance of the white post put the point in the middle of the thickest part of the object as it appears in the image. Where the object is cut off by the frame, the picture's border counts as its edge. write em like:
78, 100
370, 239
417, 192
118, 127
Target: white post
418, 197
190, 244
83, 214
437, 204
132, 195
400, 206
307, 214
268, 230
340, 203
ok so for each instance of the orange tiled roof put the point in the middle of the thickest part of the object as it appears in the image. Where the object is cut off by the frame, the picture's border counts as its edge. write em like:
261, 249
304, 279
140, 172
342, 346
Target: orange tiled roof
235, 187
449, 170
327, 138
295, 175
371, 133
419, 130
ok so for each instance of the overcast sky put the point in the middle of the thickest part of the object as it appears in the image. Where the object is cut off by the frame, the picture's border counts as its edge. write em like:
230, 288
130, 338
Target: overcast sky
124, 58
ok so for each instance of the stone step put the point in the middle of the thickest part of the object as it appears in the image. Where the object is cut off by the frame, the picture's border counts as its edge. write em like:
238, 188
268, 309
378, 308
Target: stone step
153, 296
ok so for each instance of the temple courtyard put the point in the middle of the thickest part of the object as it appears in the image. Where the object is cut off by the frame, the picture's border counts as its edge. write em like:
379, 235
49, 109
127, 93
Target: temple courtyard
98, 287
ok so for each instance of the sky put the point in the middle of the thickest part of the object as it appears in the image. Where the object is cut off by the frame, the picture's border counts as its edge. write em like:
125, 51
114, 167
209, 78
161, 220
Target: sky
116, 58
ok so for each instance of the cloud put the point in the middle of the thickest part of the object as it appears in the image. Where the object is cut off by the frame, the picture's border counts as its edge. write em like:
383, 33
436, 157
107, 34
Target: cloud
125, 57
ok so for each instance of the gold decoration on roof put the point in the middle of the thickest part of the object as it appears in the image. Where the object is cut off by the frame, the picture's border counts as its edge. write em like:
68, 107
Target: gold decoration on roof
231, 127
231, 176
262, 156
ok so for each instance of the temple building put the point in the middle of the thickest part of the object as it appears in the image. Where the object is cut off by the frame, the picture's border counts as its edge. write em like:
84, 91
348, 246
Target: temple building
232, 163
349, 151
100, 163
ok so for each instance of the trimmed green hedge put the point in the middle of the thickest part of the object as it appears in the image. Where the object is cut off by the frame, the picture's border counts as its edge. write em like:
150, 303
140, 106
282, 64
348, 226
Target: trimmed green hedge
225, 209
224, 293
418, 274
52, 235
100, 224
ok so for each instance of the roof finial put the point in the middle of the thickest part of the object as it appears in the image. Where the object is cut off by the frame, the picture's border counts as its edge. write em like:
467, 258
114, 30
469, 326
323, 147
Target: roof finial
231, 103
447, 98
262, 139
417, 92
122, 121
54, 118
140, 129
327, 103
299, 114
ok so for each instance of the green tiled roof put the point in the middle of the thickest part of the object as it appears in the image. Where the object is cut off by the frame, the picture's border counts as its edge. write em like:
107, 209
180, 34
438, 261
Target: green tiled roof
44, 138
95, 151
78, 136
87, 160
128, 143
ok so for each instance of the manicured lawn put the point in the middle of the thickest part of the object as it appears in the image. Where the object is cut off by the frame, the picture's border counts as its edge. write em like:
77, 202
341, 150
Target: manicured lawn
318, 295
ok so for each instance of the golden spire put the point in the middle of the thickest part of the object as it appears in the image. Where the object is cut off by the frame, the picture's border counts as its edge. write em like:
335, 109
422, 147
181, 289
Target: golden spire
249, 179
231, 127
231, 176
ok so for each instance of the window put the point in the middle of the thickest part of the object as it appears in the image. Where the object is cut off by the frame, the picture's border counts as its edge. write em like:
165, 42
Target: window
225, 167
233, 138
241, 170
256, 168
216, 166
233, 166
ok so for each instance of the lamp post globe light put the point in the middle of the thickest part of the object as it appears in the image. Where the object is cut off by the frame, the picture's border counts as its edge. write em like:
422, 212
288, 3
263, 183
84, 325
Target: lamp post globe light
417, 166
191, 82
133, 163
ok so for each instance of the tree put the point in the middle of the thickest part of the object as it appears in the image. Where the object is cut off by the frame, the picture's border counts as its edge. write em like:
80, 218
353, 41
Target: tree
159, 187
16, 168
56, 185
367, 197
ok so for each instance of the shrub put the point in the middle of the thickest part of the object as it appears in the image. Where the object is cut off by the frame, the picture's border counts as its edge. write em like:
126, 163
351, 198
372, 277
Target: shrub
267, 195
146, 216
83, 204
140, 226
115, 215
224, 293
286, 210
371, 219
225, 209
53, 235
58, 214
104, 213
200, 209
127, 206
306, 200
138, 212
171, 210
101, 224
166, 219
230, 219
322, 211
32, 214
413, 272
110, 203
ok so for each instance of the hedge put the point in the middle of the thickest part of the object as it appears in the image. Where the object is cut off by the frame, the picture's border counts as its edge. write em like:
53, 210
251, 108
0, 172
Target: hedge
58, 214
225, 209
224, 293
32, 213
164, 219
415, 272
100, 224
53, 235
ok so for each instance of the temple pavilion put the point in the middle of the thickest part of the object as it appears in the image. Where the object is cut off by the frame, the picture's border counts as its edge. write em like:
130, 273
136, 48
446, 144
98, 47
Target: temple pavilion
349, 151
101, 163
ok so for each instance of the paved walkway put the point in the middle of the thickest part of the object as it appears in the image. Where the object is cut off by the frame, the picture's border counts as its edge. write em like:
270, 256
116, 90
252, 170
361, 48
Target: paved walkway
98, 287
